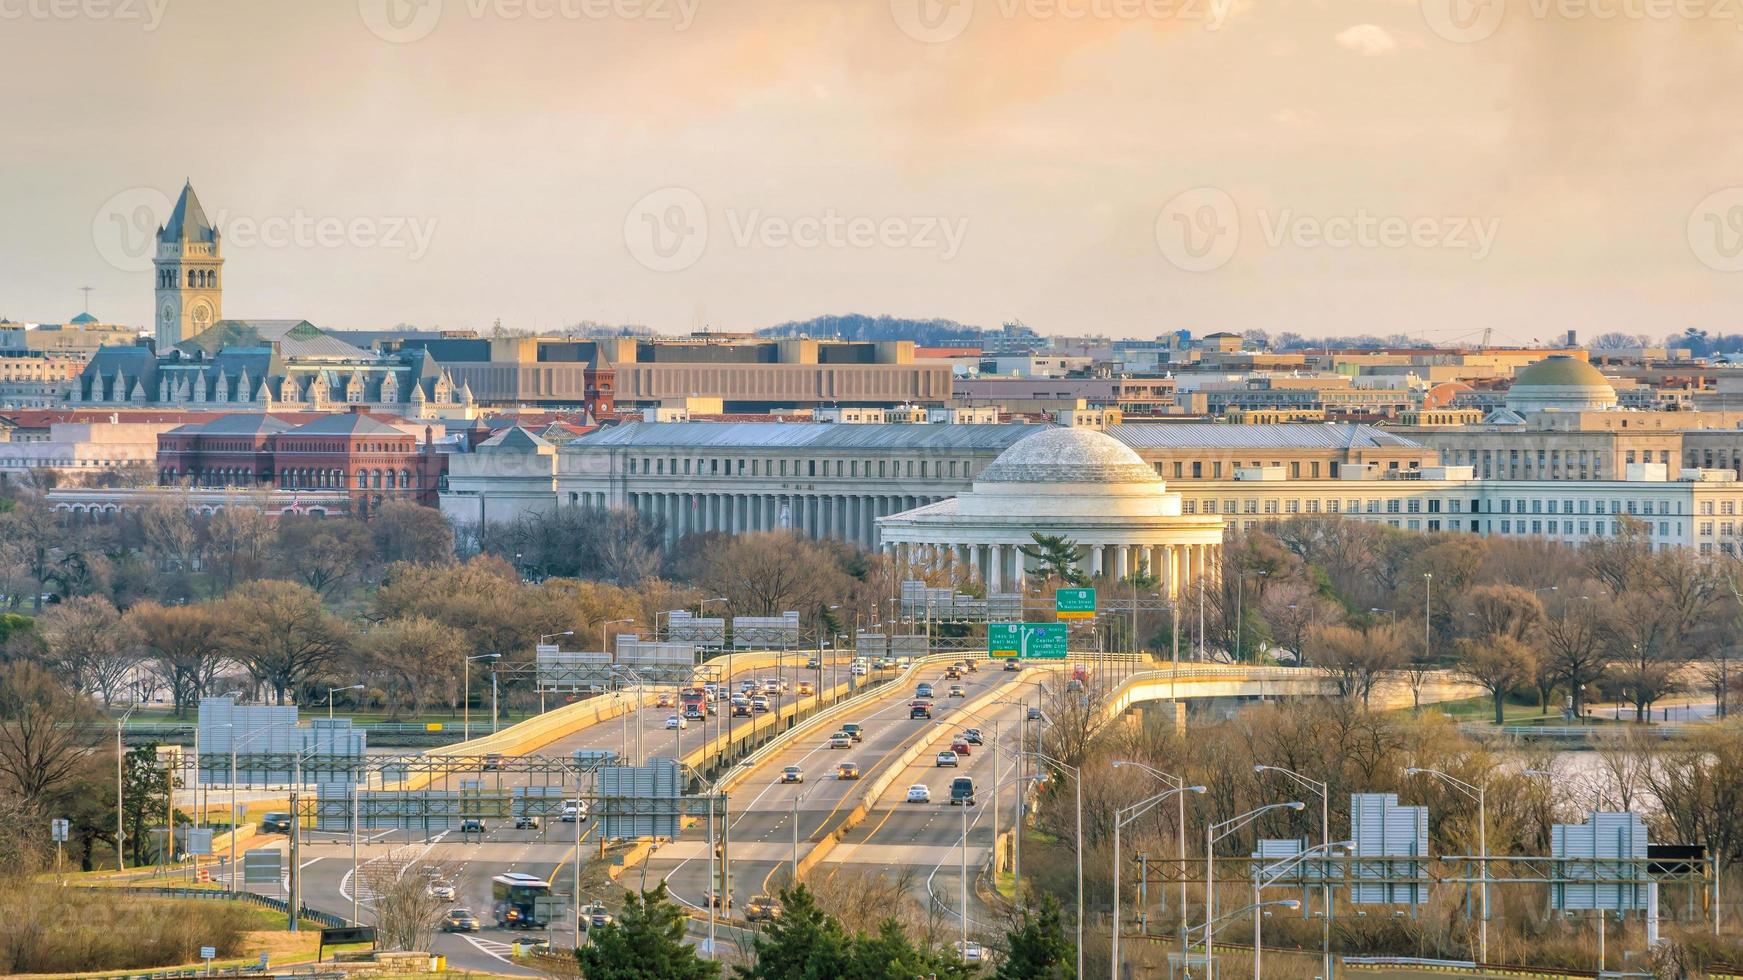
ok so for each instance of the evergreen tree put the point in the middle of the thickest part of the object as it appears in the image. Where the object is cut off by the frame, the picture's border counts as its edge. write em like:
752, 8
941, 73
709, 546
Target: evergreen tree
890, 955
1057, 556
1039, 947
805, 943
645, 943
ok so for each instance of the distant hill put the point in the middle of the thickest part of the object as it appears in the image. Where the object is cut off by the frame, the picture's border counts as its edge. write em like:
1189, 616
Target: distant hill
857, 326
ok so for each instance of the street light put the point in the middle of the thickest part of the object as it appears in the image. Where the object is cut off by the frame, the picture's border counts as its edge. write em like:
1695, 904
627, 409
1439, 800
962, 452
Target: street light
1217, 831
332, 690
1280, 869
1319, 788
1481, 795
1174, 781
120, 757
1137, 810
466, 686
1077, 780
602, 626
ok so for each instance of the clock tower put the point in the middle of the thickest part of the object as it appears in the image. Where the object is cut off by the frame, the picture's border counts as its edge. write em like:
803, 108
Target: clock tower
189, 273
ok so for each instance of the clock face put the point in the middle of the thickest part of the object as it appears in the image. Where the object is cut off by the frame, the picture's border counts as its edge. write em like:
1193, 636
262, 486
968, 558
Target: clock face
167, 315
201, 315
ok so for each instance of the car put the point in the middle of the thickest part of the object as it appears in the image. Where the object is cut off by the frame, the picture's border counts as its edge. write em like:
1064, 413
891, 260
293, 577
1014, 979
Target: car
959, 746
883, 663
971, 951
762, 908
962, 791
492, 760
1073, 686
854, 730
711, 690
442, 890
745, 687
471, 825
574, 811
952, 672
1034, 714
738, 699
903, 663
595, 915
526, 821
956, 691
857, 670
946, 758
920, 709
840, 740
665, 700
759, 703
806, 688
533, 944
970, 665
792, 774
678, 722
460, 920
918, 793
847, 770
741, 709
972, 736
923, 691
711, 899
1012, 665
771, 686
275, 823
813, 664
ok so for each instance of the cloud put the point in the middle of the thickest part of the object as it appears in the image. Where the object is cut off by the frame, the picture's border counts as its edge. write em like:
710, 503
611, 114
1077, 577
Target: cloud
1368, 40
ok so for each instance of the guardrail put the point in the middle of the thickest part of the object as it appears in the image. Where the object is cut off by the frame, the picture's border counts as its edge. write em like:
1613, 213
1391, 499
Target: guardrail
216, 894
1579, 733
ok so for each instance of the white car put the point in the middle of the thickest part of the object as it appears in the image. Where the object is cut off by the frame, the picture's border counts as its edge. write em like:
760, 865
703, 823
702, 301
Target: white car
574, 810
947, 758
792, 774
858, 670
677, 721
971, 952
840, 740
442, 890
918, 793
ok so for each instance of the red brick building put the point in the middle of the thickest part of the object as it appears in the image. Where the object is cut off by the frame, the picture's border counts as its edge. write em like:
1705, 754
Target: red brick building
368, 458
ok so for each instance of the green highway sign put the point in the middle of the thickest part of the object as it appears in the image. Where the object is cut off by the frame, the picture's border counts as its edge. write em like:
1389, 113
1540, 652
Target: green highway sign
1074, 603
1027, 641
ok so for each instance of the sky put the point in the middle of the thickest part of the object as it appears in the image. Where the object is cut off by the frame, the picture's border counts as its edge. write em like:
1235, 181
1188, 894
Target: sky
1119, 167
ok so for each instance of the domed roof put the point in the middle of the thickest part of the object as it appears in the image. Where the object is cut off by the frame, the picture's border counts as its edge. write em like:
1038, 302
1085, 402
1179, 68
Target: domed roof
1560, 370
1069, 455
1560, 383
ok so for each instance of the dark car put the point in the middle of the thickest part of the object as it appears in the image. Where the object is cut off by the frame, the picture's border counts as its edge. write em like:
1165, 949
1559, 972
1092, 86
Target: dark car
920, 709
526, 821
1013, 665
459, 920
972, 736
762, 908
492, 760
275, 823
596, 915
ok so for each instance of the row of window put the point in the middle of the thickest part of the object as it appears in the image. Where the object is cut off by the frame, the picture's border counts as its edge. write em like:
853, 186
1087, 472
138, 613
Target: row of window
845, 468
1433, 505
293, 479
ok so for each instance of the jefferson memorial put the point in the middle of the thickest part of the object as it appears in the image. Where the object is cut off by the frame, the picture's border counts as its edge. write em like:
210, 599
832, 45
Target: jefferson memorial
1078, 483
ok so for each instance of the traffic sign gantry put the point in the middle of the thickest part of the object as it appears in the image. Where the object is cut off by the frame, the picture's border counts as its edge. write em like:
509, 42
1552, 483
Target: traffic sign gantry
1028, 641
1074, 603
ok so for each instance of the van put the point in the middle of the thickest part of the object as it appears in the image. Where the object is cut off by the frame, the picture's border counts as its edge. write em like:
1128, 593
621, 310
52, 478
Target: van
962, 791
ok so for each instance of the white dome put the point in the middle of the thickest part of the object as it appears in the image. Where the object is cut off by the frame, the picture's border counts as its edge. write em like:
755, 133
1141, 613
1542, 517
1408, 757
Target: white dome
1069, 455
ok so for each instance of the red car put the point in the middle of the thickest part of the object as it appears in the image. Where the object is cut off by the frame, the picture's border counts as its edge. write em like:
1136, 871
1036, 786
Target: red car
959, 746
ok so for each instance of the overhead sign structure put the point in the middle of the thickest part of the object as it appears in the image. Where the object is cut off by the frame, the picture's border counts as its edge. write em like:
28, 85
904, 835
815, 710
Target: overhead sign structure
1026, 641
1074, 603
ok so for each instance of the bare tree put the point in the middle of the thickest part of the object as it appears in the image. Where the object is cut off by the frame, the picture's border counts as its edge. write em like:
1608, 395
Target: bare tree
1570, 639
1498, 664
86, 640
184, 645
282, 633
42, 742
406, 911
1358, 659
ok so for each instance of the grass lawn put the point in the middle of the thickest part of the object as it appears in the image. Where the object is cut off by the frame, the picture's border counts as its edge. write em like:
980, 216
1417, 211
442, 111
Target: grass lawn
1482, 710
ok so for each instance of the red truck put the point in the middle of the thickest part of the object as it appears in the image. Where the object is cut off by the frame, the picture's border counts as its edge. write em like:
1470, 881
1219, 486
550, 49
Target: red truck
695, 702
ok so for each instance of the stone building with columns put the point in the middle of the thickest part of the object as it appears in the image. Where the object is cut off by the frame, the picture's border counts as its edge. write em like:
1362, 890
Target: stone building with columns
1078, 483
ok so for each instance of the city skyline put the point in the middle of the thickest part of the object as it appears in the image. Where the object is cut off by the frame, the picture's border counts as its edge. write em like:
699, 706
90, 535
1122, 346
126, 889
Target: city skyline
1370, 167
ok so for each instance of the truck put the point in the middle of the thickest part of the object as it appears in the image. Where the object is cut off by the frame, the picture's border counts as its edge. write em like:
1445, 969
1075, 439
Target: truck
695, 702
1080, 673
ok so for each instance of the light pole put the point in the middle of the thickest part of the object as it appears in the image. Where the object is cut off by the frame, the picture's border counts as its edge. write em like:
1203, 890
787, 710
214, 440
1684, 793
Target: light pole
610, 622
120, 826
1209, 928
1481, 795
1279, 870
641, 693
1180, 837
1215, 832
543, 639
1427, 616
1137, 810
334, 690
466, 686
1319, 789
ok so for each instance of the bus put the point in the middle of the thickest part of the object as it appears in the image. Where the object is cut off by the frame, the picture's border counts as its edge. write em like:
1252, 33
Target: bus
695, 702
520, 901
